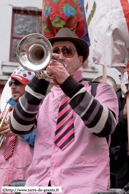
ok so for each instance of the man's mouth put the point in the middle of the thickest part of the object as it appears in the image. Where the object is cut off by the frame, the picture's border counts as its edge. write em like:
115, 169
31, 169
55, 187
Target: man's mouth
15, 92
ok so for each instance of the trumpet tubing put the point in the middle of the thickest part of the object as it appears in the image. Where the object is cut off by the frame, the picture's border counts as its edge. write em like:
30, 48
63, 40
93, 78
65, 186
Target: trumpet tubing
3, 115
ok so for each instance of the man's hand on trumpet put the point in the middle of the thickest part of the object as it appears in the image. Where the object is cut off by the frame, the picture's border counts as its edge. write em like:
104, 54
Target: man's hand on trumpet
5, 130
58, 70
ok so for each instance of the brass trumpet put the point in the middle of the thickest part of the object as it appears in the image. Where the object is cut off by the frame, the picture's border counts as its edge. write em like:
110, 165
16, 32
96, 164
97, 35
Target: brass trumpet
2, 120
34, 53
4, 114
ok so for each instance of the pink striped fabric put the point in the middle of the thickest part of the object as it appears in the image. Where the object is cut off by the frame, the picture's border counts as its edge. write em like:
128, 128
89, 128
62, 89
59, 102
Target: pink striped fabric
9, 149
64, 134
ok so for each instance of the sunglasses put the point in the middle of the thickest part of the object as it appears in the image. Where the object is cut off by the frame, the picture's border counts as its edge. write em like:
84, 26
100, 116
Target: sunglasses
68, 51
16, 82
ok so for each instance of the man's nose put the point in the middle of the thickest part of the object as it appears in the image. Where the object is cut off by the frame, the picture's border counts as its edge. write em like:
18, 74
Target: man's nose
13, 85
61, 56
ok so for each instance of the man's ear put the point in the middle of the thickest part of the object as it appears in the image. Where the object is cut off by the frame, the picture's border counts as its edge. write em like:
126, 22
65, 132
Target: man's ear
81, 59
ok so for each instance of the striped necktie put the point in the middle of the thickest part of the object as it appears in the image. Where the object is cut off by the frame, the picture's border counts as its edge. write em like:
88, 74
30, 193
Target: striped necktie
9, 149
64, 134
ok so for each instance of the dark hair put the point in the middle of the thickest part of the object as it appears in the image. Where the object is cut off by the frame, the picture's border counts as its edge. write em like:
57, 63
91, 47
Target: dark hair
78, 50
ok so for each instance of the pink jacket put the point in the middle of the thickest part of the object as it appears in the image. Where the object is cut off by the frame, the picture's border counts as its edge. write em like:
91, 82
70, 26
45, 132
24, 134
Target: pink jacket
83, 167
17, 166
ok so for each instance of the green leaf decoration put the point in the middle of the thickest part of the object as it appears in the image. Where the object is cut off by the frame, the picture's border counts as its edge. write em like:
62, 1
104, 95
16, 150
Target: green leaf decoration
92, 13
86, 7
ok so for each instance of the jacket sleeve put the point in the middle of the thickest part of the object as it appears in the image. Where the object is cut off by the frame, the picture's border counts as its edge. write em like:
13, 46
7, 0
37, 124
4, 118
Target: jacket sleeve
23, 117
100, 114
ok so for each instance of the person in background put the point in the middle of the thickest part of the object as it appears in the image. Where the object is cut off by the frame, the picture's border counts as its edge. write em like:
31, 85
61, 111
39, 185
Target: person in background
119, 161
71, 149
15, 152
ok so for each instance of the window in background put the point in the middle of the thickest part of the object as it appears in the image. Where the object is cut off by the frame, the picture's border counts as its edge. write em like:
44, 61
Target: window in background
24, 22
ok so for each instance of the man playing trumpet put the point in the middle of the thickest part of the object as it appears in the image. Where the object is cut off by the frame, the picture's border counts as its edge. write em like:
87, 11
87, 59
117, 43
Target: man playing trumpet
15, 151
71, 149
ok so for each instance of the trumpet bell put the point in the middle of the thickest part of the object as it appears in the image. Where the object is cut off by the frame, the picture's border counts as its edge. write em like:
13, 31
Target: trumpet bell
34, 52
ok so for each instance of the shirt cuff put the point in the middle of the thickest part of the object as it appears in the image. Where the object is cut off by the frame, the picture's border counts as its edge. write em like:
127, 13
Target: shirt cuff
71, 86
38, 85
